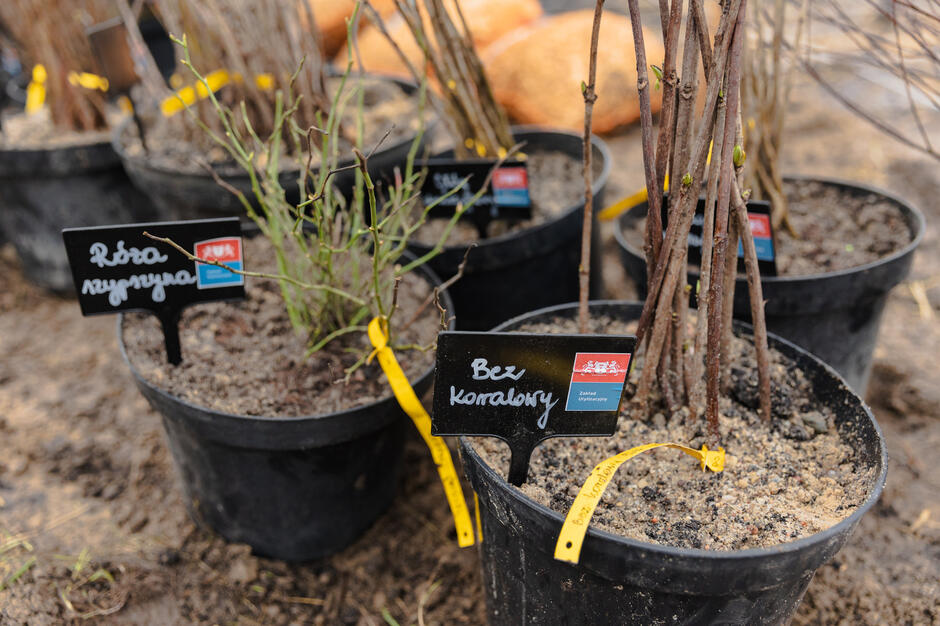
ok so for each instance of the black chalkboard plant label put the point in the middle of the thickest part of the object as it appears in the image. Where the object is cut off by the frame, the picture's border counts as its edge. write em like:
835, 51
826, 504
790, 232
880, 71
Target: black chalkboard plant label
758, 217
527, 387
506, 198
118, 268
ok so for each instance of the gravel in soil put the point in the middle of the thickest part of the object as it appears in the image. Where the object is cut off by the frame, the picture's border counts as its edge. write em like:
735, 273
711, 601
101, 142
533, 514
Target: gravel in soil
246, 358
836, 230
780, 483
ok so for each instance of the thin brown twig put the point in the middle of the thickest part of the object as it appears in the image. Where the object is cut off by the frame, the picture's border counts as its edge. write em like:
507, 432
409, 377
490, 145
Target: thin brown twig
444, 285
590, 96
716, 289
654, 227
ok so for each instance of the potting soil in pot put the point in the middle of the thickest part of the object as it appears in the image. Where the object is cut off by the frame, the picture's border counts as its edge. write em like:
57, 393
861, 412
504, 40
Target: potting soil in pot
386, 109
555, 185
836, 230
35, 131
245, 357
782, 482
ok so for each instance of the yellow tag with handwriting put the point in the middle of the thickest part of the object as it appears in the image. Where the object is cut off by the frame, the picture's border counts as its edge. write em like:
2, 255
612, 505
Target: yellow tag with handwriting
579, 515
378, 335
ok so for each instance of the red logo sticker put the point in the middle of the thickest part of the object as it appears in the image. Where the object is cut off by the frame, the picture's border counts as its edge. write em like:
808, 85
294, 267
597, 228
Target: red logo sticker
510, 178
760, 226
224, 249
601, 367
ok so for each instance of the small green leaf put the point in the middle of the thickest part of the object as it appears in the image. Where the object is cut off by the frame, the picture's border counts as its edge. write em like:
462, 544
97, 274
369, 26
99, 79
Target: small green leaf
101, 573
687, 179
849, 247
738, 156
659, 76
387, 616
583, 87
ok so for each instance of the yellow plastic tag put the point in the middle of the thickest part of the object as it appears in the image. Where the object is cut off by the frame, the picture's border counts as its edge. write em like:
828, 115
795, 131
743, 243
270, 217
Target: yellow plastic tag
378, 335
625, 204
36, 90
265, 81
187, 96
88, 80
125, 104
579, 515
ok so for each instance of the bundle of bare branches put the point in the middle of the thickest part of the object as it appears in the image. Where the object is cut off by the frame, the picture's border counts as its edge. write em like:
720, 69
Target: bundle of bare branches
901, 50
51, 33
765, 90
685, 361
260, 46
477, 122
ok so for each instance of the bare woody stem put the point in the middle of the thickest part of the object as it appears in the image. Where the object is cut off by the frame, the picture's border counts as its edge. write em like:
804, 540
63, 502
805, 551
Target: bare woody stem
697, 161
755, 292
590, 96
667, 116
654, 226
715, 294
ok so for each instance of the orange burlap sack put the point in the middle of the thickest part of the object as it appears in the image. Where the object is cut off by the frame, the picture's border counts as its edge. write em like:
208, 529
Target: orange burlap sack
331, 19
488, 20
536, 72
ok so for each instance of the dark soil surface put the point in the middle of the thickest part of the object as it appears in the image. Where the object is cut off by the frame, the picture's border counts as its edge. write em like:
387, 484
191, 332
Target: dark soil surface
781, 481
86, 481
246, 358
836, 230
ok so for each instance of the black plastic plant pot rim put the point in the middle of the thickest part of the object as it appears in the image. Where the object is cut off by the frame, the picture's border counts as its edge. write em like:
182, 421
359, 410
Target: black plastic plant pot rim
287, 176
283, 433
496, 252
58, 161
620, 558
912, 215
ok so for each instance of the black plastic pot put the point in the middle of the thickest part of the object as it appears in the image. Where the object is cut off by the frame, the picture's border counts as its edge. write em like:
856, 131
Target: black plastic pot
43, 191
625, 581
182, 195
834, 315
15, 89
293, 488
531, 268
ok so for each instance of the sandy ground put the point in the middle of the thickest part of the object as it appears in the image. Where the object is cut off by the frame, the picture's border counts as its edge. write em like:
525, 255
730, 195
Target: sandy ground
92, 524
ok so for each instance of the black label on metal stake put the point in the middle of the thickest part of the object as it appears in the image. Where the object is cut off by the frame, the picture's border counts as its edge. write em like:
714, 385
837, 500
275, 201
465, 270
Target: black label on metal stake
117, 268
525, 387
758, 217
507, 197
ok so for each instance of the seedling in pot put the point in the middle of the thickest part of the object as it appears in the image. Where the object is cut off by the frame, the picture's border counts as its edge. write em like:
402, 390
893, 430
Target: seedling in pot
338, 266
228, 40
479, 126
688, 368
51, 38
